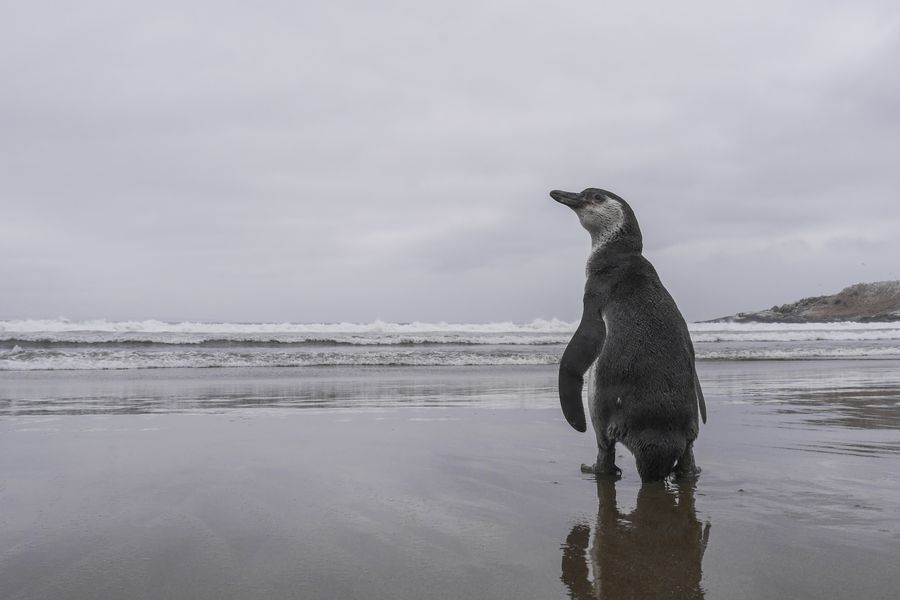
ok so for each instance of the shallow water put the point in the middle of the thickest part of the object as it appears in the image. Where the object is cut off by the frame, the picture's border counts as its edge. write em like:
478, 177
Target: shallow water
453, 482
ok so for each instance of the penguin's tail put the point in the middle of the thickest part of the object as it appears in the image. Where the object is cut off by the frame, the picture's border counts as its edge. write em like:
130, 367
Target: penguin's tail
656, 453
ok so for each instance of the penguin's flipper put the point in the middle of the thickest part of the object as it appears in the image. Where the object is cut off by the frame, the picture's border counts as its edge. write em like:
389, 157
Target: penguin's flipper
700, 401
581, 352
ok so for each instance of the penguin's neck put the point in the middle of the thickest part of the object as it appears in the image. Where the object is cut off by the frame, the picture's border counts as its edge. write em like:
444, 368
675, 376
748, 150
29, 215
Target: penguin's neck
609, 254
599, 241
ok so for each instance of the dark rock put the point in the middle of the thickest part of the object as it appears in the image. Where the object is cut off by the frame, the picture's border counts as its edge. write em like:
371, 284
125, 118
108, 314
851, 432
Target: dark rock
877, 302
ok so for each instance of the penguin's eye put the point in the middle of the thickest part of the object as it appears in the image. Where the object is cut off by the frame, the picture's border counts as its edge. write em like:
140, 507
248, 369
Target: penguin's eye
599, 197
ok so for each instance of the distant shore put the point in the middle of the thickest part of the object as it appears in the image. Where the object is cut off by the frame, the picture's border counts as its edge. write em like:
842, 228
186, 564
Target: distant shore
877, 302
776, 319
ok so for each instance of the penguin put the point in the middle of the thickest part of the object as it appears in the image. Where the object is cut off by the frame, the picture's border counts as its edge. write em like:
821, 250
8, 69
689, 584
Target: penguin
633, 343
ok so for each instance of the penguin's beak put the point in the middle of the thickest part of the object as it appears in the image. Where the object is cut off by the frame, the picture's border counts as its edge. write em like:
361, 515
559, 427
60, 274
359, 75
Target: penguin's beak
570, 199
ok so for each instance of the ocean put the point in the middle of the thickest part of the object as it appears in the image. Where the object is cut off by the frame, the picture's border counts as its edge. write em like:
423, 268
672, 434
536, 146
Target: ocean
61, 344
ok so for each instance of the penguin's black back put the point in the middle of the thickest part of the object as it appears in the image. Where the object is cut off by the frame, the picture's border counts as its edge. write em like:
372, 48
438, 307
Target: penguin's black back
645, 369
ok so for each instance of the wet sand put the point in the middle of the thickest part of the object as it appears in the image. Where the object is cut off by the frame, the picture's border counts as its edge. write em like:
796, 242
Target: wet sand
458, 483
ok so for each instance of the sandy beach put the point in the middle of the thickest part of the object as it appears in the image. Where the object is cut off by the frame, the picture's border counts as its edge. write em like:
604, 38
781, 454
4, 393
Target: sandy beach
441, 482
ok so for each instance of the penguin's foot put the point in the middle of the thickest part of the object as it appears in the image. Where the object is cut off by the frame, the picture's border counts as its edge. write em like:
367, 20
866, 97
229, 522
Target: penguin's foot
686, 469
614, 472
686, 474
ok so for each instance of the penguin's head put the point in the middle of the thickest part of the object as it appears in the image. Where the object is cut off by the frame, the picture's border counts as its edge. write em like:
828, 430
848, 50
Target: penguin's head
606, 216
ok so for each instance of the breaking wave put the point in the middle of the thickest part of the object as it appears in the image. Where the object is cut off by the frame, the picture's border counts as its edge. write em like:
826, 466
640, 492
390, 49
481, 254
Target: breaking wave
100, 344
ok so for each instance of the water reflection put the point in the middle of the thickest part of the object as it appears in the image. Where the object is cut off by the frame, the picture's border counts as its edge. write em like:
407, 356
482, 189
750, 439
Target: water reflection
218, 390
844, 394
656, 551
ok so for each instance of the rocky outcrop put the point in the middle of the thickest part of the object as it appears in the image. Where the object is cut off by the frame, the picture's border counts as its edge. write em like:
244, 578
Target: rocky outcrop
863, 302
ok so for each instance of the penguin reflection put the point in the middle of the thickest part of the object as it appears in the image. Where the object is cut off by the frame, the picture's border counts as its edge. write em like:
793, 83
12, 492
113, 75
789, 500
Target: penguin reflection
654, 552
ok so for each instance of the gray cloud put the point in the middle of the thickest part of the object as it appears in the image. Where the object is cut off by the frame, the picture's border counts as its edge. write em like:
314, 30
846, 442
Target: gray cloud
347, 161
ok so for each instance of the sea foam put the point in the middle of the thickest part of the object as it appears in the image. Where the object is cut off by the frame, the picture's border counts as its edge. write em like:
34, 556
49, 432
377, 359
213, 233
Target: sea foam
103, 344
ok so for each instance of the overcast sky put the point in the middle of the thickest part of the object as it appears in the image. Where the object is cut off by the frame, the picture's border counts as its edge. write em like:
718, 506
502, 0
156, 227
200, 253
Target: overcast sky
352, 160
